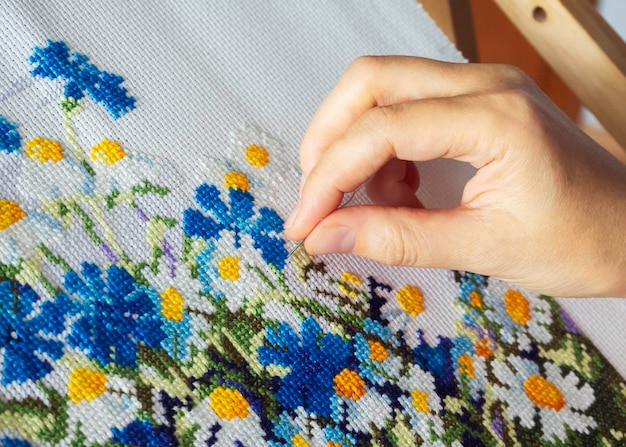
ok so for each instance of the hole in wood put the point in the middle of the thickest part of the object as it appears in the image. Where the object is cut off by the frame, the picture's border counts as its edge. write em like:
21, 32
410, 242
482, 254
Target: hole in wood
539, 14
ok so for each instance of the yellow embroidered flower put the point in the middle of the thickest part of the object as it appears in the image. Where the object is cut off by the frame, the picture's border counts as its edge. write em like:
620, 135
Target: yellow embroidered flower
543, 393
299, 441
349, 384
257, 155
475, 300
237, 180
466, 365
517, 307
420, 401
86, 384
411, 300
44, 150
228, 268
172, 304
10, 213
351, 279
229, 403
107, 151
378, 353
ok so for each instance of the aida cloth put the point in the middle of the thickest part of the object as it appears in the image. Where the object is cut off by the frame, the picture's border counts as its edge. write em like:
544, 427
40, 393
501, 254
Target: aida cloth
148, 153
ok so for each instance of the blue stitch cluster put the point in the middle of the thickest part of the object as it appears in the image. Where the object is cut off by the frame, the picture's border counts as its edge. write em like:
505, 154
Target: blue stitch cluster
116, 315
314, 359
53, 61
23, 335
239, 218
10, 140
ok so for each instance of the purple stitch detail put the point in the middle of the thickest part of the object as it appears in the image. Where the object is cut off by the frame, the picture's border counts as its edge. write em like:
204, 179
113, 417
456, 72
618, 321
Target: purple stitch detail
498, 425
167, 251
570, 325
141, 215
492, 337
107, 251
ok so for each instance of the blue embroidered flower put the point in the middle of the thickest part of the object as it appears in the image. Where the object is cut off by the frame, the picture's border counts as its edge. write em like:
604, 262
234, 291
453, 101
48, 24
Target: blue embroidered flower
9, 442
116, 315
314, 359
143, 434
24, 337
80, 76
240, 218
10, 140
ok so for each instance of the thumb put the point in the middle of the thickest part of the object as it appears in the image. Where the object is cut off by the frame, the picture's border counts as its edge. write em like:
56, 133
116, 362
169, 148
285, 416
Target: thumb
458, 238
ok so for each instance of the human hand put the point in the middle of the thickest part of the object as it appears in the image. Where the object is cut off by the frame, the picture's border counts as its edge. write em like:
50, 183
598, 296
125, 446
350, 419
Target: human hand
546, 209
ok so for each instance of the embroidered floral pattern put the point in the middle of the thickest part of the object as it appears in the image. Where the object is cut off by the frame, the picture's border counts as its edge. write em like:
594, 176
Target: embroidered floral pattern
197, 329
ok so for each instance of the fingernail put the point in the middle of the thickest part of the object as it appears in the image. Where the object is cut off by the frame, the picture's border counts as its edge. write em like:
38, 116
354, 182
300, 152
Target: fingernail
335, 240
292, 217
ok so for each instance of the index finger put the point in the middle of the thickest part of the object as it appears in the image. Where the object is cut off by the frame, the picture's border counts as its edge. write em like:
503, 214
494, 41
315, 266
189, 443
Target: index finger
417, 131
375, 81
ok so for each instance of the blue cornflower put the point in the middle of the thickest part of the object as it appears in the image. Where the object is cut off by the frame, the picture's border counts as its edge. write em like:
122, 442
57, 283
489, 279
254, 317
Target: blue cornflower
115, 315
10, 140
313, 358
239, 218
144, 434
80, 76
10, 442
25, 337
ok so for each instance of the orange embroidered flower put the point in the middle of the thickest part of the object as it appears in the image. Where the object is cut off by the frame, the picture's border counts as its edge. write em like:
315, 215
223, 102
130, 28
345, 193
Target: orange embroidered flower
10, 213
517, 307
411, 300
257, 155
229, 403
44, 150
349, 384
543, 393
86, 384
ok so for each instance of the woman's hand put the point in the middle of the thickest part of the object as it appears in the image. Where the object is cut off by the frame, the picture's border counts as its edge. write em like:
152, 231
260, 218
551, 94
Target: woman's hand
546, 209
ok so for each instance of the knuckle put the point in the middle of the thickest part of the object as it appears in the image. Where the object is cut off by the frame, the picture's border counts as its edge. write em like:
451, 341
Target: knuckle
397, 246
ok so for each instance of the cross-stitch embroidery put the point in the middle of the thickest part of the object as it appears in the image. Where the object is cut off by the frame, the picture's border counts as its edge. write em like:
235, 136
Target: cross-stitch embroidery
195, 329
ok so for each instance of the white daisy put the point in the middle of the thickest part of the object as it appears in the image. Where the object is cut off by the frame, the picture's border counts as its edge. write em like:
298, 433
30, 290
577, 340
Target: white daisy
422, 403
99, 402
523, 317
559, 400
229, 272
226, 418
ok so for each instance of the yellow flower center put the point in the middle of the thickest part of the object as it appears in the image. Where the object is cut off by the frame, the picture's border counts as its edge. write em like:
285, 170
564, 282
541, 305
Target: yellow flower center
420, 401
378, 353
482, 348
10, 213
349, 278
299, 441
107, 151
44, 150
86, 384
349, 384
517, 307
172, 304
229, 403
257, 155
228, 268
411, 300
475, 300
466, 365
236, 180
543, 393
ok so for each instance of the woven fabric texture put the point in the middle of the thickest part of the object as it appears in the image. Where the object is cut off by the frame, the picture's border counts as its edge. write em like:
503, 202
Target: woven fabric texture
148, 157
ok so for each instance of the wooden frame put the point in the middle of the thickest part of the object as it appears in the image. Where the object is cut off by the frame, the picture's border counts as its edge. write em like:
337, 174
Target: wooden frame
572, 38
